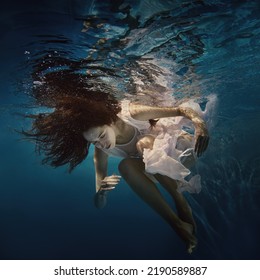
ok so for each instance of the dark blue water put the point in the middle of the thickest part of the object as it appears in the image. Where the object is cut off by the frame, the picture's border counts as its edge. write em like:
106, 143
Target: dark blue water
170, 48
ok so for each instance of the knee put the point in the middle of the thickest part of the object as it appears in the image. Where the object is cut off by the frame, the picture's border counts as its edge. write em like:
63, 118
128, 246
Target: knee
145, 142
127, 166
139, 147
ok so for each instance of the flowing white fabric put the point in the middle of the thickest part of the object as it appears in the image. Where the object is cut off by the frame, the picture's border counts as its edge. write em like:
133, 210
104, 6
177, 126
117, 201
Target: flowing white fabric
173, 149
172, 154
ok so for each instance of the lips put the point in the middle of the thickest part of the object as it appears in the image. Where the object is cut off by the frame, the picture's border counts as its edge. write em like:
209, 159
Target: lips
106, 146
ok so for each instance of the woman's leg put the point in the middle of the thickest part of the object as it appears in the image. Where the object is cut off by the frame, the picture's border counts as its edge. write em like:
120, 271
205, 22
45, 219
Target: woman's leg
182, 206
132, 170
146, 142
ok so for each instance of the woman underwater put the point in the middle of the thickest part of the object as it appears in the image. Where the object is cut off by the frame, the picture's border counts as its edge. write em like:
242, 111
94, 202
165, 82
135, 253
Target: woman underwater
83, 114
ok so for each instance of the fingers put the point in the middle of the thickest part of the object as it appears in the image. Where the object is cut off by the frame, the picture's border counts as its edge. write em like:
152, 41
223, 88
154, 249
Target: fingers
114, 179
201, 145
197, 145
204, 144
109, 183
107, 188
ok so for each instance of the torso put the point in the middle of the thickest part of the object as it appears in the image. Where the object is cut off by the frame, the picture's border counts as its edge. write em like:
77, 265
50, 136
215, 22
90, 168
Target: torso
125, 149
126, 134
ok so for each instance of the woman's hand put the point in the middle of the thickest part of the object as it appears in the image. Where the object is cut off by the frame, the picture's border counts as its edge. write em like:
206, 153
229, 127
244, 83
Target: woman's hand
109, 183
201, 139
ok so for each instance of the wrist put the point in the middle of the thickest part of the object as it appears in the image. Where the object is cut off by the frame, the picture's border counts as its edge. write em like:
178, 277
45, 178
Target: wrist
102, 192
199, 124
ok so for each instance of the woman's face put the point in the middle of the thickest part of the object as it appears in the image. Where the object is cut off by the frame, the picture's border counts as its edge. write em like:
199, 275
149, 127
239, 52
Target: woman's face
101, 136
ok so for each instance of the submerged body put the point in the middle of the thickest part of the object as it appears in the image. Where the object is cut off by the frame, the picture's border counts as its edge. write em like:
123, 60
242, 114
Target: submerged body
132, 138
82, 115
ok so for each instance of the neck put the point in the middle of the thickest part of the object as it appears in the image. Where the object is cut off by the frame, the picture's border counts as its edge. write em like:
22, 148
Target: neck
124, 132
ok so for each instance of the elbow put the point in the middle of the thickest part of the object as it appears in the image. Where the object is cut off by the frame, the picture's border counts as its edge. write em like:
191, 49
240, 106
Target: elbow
182, 111
137, 112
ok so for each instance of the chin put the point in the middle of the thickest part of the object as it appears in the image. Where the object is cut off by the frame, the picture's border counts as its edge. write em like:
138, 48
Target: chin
112, 146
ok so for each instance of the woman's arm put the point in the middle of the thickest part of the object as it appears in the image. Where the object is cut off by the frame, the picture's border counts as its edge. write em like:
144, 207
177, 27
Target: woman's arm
144, 113
100, 162
104, 183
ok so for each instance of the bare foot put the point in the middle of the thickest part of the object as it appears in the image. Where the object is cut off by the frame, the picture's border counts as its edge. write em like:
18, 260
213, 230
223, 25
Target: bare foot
185, 230
191, 246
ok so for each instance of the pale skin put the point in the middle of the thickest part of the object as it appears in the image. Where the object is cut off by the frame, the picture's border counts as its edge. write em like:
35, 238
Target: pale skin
133, 169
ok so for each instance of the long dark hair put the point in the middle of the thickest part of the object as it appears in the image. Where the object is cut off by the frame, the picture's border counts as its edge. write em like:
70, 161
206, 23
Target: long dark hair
77, 106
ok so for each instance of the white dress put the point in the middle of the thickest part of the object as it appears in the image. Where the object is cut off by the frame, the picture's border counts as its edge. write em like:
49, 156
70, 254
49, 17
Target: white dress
170, 153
